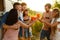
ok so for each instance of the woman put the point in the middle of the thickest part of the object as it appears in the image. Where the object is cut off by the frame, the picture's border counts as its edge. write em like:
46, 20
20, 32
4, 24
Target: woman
27, 20
55, 25
12, 26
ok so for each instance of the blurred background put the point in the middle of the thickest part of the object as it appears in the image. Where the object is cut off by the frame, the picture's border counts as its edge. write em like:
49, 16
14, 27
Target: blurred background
35, 7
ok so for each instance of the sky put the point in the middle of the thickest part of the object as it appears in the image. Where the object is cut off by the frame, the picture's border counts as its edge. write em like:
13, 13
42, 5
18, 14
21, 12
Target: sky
37, 5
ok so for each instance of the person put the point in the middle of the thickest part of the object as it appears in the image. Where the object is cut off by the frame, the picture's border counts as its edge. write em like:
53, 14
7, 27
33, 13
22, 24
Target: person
17, 6
55, 23
24, 6
21, 33
27, 20
46, 29
12, 27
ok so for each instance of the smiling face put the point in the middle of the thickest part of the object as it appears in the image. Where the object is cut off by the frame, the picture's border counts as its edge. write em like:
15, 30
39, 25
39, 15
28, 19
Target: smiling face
47, 8
24, 7
55, 13
26, 12
18, 7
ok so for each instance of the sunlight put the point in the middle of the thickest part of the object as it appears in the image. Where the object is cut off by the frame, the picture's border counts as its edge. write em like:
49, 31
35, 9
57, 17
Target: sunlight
37, 5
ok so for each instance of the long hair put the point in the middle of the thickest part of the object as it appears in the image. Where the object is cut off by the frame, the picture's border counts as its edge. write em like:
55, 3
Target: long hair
24, 12
56, 11
12, 17
56, 17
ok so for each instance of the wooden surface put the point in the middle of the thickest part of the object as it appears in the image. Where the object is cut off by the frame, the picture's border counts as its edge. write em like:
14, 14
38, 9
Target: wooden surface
1, 5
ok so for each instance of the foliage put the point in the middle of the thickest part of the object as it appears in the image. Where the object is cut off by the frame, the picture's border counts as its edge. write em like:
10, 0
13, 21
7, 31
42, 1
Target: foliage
36, 27
31, 12
56, 4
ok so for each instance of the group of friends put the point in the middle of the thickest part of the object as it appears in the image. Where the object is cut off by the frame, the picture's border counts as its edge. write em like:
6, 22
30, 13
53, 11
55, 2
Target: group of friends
16, 23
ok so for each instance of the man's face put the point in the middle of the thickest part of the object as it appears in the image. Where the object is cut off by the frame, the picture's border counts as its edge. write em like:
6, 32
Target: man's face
23, 7
19, 7
47, 8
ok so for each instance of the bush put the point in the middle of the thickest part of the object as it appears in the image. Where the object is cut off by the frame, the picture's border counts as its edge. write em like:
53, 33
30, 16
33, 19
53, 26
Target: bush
36, 27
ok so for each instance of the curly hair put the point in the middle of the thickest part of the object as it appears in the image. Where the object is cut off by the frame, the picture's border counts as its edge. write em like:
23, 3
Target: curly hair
48, 4
12, 17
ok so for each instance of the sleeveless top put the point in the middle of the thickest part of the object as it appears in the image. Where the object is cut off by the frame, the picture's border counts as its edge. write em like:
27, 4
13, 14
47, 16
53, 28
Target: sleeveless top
27, 20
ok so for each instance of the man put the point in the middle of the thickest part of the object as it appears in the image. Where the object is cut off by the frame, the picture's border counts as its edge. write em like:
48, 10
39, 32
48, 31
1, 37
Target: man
15, 6
47, 16
21, 32
24, 6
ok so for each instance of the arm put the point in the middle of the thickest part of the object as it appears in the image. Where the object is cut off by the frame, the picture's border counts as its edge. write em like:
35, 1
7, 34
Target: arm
54, 24
29, 21
25, 25
45, 22
3, 20
9, 27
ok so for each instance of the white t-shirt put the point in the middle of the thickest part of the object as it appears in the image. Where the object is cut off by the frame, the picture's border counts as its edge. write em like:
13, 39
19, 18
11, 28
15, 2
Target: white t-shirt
20, 14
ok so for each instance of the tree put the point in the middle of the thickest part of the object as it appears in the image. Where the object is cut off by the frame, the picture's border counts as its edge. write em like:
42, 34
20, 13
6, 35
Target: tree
56, 4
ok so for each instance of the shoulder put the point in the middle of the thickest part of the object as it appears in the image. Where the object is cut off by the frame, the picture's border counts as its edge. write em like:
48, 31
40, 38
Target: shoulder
58, 19
4, 25
18, 23
5, 13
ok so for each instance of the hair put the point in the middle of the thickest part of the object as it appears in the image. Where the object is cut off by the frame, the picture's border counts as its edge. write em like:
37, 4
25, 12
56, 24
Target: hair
56, 17
56, 11
23, 4
48, 4
24, 12
16, 3
12, 17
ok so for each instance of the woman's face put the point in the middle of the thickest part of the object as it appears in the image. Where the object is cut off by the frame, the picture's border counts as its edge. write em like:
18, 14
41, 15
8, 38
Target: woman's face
55, 14
26, 12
